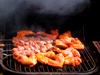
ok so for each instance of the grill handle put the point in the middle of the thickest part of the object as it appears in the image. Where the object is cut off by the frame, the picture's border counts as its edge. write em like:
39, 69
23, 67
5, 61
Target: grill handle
4, 55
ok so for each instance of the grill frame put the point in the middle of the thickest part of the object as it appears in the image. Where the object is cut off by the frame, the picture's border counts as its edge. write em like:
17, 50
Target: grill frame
58, 71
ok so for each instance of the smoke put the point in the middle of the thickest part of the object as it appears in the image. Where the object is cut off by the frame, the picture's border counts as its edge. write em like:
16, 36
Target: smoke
61, 7
37, 15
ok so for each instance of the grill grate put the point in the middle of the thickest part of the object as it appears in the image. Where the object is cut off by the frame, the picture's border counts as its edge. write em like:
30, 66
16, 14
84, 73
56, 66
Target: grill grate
88, 63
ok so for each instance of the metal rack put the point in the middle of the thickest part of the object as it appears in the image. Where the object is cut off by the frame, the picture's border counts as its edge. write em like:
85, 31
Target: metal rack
88, 65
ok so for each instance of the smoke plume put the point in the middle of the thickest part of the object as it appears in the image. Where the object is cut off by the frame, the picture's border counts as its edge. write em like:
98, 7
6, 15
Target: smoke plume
37, 15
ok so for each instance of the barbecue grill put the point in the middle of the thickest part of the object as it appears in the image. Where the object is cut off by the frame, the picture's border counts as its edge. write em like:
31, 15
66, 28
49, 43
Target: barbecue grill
89, 56
89, 64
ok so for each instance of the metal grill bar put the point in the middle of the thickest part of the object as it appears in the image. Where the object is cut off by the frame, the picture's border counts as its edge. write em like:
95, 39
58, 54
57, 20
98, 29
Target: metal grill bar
97, 45
88, 64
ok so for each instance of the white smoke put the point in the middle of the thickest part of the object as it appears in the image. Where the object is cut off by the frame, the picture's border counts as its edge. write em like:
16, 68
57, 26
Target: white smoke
58, 7
62, 7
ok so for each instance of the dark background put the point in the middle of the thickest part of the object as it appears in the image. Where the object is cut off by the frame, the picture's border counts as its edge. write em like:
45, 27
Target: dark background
92, 21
